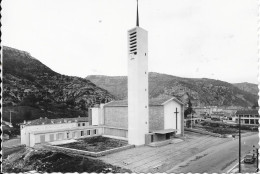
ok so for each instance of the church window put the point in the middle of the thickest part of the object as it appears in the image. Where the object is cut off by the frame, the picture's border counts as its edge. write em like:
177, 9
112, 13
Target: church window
145, 54
145, 72
78, 124
83, 124
145, 89
88, 132
134, 39
133, 36
134, 49
81, 133
132, 43
132, 33
95, 132
132, 46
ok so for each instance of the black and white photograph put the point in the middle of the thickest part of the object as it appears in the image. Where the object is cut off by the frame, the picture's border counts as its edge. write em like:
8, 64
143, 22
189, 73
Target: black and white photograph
130, 86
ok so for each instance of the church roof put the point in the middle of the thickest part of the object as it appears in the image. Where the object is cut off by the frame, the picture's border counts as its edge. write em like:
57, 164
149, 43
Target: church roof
152, 102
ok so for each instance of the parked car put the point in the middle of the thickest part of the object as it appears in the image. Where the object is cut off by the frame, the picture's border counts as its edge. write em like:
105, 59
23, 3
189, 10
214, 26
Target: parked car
249, 158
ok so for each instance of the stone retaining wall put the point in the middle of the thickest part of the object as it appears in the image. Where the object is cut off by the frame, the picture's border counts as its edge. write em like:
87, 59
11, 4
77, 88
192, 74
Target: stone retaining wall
87, 153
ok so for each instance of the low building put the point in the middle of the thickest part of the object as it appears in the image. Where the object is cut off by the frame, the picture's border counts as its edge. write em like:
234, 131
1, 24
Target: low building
44, 130
247, 117
204, 111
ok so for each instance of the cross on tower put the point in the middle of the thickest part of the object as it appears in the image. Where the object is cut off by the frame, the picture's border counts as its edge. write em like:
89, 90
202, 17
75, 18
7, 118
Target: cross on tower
176, 112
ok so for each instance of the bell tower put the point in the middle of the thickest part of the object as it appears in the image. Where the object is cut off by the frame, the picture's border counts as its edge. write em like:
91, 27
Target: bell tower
138, 119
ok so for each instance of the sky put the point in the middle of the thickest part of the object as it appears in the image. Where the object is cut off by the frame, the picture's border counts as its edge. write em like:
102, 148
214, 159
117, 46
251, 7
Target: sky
214, 39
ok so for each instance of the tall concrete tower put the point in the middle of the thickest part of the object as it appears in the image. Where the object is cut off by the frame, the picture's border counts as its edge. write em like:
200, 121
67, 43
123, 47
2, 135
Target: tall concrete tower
137, 84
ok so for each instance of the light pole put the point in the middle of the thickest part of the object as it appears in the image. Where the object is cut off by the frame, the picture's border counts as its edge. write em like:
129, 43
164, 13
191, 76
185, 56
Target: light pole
239, 141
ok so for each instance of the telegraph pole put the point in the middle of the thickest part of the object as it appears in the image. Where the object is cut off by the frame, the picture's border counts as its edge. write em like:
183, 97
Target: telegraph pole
257, 169
191, 120
239, 141
11, 116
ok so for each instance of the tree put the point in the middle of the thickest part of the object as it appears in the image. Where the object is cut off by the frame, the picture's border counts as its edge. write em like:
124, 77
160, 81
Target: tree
255, 105
189, 110
27, 115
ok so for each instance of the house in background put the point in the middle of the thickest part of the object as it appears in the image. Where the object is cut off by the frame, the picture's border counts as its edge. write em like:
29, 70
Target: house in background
248, 117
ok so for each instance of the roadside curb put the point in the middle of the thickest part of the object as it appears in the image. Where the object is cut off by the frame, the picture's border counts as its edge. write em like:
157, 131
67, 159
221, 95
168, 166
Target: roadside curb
235, 166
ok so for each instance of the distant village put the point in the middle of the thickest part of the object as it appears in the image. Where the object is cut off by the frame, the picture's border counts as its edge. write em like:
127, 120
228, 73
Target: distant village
227, 115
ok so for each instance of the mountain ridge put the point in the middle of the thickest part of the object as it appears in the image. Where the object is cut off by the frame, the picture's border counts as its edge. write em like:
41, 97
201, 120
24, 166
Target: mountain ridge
33, 90
202, 91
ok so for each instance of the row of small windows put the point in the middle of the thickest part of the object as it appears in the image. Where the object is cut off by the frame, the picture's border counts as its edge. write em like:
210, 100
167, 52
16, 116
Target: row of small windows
81, 124
60, 136
82, 133
247, 116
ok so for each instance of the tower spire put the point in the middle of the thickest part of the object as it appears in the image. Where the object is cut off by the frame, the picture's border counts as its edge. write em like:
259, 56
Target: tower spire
137, 16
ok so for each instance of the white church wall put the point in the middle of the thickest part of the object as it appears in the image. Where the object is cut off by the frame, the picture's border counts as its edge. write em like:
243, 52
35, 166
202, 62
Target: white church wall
170, 116
95, 116
101, 114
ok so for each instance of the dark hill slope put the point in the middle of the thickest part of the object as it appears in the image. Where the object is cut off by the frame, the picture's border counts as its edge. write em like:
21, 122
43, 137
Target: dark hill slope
200, 91
32, 89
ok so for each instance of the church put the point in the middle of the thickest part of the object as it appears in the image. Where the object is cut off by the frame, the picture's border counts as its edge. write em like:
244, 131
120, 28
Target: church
139, 119
165, 120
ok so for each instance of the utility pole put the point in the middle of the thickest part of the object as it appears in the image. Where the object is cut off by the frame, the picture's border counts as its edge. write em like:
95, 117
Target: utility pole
191, 120
239, 141
11, 116
257, 169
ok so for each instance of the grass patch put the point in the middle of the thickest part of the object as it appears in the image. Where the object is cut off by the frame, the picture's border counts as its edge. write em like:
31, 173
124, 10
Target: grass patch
96, 144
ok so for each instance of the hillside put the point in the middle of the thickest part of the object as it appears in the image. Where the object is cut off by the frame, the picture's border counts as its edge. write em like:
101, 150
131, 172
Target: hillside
39, 160
33, 90
248, 87
201, 91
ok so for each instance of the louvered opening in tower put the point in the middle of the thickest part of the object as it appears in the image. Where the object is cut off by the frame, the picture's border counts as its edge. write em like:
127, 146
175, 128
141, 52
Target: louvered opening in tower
132, 42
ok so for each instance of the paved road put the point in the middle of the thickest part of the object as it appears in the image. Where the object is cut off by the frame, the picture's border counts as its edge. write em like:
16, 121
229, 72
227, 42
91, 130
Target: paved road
160, 159
217, 158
